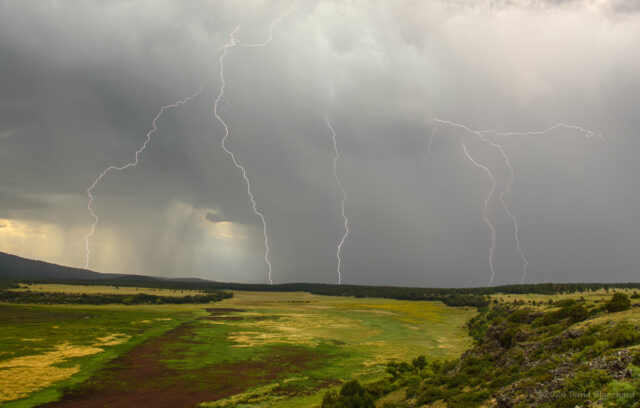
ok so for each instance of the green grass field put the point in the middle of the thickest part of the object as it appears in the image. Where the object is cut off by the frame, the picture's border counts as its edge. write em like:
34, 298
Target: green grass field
256, 349
46, 348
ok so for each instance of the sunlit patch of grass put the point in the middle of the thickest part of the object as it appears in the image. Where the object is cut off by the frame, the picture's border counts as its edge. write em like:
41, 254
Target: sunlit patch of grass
47, 347
22, 376
111, 340
631, 315
294, 328
145, 321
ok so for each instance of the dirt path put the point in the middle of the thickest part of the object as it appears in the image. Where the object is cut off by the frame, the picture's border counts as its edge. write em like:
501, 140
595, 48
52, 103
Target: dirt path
140, 379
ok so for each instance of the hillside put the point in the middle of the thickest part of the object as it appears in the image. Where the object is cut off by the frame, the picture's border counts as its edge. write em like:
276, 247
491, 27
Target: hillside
15, 267
18, 268
556, 354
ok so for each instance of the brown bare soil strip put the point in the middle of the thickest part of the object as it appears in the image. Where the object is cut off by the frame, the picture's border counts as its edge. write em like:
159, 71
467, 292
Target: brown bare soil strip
223, 310
140, 379
225, 318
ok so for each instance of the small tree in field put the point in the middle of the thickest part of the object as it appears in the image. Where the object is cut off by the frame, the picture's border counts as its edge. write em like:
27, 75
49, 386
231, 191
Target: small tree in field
618, 303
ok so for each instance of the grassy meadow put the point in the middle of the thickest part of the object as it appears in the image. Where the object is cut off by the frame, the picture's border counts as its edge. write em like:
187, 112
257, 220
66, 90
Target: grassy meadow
262, 349
44, 349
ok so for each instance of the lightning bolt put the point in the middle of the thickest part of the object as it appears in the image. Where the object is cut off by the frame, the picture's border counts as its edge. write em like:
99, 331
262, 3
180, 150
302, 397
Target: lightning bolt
586, 132
501, 197
492, 247
233, 42
434, 170
123, 167
344, 192
344, 195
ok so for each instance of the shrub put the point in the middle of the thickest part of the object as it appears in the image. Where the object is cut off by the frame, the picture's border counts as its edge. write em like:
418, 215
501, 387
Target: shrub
622, 394
519, 316
585, 381
352, 387
330, 398
579, 388
507, 337
412, 383
596, 349
577, 312
619, 302
623, 334
468, 399
352, 395
429, 394
396, 369
419, 362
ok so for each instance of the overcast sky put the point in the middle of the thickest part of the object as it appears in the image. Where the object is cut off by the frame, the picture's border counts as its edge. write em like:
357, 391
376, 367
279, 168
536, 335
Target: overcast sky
81, 82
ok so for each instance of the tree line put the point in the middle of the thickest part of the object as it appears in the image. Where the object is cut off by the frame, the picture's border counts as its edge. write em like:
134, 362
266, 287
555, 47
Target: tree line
103, 299
471, 297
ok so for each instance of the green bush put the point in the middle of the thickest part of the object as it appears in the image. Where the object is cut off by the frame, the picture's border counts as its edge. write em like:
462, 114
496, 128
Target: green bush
577, 312
412, 383
619, 302
596, 349
350, 388
620, 394
396, 369
330, 398
477, 327
624, 334
429, 394
587, 380
581, 388
419, 362
468, 399
352, 395
506, 339
519, 316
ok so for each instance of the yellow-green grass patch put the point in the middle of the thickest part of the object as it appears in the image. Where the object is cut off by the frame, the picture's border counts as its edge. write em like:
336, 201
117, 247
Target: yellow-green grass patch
47, 347
357, 336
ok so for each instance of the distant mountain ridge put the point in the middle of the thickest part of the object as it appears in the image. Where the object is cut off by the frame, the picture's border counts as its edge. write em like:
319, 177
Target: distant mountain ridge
16, 267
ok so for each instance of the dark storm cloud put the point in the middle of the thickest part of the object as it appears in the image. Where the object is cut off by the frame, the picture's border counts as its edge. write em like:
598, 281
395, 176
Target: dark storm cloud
214, 217
82, 82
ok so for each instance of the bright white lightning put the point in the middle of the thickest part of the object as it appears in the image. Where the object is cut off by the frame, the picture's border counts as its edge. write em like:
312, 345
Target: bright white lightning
233, 42
586, 132
434, 169
492, 247
125, 166
344, 195
482, 135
